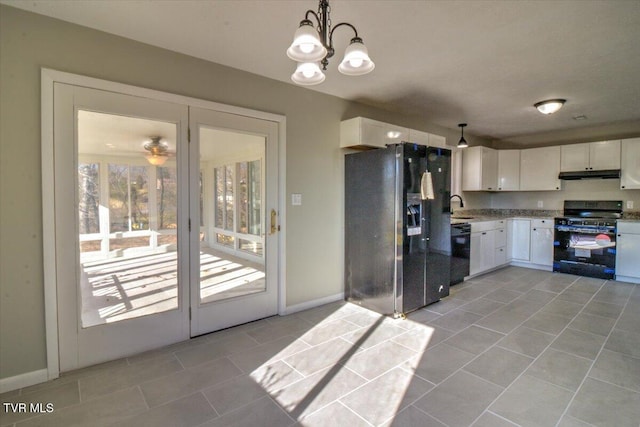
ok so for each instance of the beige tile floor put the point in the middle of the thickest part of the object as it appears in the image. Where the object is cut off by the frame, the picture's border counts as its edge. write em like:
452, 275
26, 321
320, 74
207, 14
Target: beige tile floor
514, 347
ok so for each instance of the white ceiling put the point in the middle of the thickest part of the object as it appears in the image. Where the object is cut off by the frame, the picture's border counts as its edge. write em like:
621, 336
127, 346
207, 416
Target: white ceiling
481, 62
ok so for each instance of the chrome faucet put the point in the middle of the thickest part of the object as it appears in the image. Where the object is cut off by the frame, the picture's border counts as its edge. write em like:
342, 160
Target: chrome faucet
461, 202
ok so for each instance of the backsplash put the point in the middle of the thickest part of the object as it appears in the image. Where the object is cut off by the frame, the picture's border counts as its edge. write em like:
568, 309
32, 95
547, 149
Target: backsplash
631, 215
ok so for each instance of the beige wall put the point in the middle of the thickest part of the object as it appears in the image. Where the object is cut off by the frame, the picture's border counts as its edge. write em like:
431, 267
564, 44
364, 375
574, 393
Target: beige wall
314, 163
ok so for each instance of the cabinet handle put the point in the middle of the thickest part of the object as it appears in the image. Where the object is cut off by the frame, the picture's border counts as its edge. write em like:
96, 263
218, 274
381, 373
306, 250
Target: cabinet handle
623, 186
557, 188
619, 235
484, 234
535, 229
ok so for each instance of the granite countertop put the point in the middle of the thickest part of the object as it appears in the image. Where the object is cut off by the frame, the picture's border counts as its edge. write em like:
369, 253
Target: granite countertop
479, 215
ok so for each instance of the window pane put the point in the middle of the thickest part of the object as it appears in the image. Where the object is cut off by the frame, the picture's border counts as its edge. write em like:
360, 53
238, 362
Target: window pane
139, 194
229, 199
225, 240
219, 197
118, 198
243, 199
89, 198
254, 204
167, 196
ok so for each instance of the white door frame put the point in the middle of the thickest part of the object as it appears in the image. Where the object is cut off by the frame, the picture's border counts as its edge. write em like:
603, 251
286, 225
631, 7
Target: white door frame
48, 78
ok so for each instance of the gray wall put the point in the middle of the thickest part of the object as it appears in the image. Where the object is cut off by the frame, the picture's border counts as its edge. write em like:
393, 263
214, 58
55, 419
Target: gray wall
314, 163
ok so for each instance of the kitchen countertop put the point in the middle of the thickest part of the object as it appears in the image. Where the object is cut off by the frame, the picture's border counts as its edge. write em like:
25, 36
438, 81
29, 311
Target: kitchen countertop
479, 215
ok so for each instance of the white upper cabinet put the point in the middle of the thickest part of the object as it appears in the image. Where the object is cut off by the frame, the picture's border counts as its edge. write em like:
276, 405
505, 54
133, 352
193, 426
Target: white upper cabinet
539, 169
479, 169
630, 164
604, 155
601, 155
363, 132
508, 170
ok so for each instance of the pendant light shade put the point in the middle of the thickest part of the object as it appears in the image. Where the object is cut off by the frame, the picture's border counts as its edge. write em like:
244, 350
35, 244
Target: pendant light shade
356, 60
308, 74
306, 46
156, 159
463, 142
549, 106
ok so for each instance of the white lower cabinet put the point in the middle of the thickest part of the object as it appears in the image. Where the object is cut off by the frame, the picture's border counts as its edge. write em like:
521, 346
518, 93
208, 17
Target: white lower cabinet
628, 252
542, 242
488, 246
519, 243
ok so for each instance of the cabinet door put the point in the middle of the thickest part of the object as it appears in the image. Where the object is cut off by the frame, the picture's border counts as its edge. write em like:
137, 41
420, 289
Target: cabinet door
630, 164
489, 169
508, 170
488, 245
378, 134
542, 246
438, 141
471, 169
539, 169
627, 250
604, 155
574, 157
476, 253
520, 239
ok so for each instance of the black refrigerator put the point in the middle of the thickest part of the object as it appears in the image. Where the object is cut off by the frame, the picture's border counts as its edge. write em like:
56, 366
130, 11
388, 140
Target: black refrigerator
397, 227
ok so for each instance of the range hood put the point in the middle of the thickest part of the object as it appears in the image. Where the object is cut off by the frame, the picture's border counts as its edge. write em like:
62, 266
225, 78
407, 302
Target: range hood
603, 174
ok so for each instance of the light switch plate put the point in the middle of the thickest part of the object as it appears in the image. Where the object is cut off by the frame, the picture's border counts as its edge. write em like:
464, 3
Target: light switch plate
629, 204
540, 203
296, 199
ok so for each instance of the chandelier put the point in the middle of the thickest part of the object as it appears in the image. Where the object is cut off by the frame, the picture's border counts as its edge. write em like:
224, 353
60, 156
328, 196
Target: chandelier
312, 47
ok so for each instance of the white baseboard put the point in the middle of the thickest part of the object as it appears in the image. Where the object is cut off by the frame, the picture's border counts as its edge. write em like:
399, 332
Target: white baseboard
313, 303
530, 265
627, 279
23, 380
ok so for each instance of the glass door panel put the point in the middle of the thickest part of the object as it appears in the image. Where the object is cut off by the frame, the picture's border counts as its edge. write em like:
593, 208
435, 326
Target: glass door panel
231, 258
127, 214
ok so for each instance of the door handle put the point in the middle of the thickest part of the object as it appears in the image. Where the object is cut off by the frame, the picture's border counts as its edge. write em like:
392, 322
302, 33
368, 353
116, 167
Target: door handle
274, 227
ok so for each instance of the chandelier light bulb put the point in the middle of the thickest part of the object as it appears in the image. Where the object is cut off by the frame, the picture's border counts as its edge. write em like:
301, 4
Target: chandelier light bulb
306, 46
356, 60
307, 74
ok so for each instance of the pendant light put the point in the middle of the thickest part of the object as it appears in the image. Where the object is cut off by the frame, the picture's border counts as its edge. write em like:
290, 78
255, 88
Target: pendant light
549, 106
463, 142
158, 151
313, 46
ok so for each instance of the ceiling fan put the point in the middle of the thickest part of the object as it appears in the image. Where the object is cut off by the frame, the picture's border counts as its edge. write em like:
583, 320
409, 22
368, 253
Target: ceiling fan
158, 151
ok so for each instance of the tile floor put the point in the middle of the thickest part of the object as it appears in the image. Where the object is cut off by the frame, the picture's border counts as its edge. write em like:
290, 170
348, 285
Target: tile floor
514, 347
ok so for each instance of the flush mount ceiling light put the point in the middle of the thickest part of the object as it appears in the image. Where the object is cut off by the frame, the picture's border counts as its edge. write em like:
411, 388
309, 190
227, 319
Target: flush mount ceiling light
313, 46
158, 151
463, 142
549, 106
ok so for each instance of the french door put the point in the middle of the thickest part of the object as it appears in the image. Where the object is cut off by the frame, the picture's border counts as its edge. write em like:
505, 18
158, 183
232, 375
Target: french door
235, 265
157, 238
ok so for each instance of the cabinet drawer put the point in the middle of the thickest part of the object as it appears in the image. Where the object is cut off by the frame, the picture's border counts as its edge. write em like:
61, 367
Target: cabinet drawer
629, 227
542, 223
488, 225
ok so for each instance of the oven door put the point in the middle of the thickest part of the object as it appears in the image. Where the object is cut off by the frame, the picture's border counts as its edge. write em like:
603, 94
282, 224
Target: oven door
588, 250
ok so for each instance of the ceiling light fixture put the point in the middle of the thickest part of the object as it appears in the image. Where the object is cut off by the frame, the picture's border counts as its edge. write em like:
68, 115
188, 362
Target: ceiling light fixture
463, 142
313, 46
158, 151
549, 106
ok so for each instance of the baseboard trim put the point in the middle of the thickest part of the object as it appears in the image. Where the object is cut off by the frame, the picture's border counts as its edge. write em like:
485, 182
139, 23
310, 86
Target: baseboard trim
628, 279
313, 303
23, 380
532, 266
